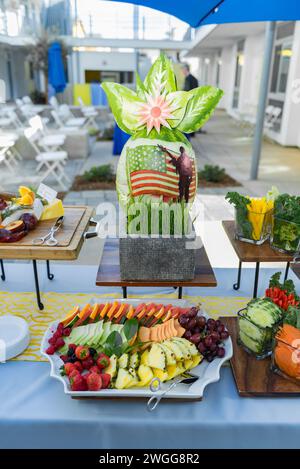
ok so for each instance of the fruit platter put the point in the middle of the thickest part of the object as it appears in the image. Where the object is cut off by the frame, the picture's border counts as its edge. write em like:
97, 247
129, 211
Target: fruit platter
116, 348
20, 214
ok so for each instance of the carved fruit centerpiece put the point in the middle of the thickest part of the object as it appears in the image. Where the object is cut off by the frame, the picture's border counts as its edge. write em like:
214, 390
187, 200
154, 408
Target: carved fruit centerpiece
158, 161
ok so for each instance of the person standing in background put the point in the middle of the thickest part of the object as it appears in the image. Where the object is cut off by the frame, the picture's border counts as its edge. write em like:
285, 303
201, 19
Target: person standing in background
190, 82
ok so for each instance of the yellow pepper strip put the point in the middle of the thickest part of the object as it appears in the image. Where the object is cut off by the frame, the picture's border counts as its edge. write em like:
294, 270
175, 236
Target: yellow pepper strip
257, 209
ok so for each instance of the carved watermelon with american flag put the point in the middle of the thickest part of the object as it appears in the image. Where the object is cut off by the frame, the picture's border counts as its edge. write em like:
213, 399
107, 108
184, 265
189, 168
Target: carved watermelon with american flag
151, 172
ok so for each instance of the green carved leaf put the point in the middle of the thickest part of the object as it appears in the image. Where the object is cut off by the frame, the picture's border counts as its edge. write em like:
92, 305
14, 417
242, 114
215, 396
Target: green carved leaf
140, 89
200, 107
125, 104
179, 101
161, 72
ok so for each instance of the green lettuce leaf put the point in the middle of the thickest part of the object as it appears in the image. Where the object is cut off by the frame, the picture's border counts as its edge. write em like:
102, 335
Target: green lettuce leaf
161, 72
125, 105
200, 107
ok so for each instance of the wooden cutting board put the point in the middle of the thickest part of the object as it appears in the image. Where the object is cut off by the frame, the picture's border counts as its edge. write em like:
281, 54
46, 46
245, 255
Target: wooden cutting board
64, 235
254, 378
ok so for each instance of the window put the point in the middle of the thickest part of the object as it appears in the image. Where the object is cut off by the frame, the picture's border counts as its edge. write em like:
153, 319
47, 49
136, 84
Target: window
281, 63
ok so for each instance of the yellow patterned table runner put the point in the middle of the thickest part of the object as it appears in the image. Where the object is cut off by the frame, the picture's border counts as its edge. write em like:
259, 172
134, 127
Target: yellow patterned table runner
58, 304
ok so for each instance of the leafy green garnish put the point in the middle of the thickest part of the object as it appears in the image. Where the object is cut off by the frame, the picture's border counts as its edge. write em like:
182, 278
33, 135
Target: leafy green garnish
240, 203
292, 316
130, 328
114, 344
287, 285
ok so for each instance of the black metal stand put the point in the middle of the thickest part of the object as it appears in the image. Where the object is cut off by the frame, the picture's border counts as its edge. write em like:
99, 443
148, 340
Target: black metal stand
124, 292
37, 286
286, 273
256, 280
49, 275
179, 293
2, 270
237, 285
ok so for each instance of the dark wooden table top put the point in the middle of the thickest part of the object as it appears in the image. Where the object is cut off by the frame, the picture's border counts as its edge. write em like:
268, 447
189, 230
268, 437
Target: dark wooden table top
247, 252
296, 269
109, 271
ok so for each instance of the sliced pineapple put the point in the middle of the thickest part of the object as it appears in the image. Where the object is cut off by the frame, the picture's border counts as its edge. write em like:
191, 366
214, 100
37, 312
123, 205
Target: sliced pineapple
112, 367
192, 347
157, 357
144, 357
161, 374
145, 375
174, 348
170, 356
197, 359
134, 378
123, 361
134, 360
124, 379
171, 370
188, 364
184, 348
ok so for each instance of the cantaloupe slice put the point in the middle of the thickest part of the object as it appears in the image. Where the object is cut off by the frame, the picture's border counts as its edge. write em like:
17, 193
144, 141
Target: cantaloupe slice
70, 316
96, 309
104, 310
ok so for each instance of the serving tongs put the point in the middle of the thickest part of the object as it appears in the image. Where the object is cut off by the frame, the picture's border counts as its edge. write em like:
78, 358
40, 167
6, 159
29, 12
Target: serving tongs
94, 233
155, 386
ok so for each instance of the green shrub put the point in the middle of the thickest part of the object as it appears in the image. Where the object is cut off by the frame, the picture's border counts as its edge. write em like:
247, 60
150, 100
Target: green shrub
102, 173
211, 173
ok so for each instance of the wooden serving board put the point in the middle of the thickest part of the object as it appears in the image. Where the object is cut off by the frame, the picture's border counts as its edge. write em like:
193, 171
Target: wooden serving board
70, 238
64, 235
254, 378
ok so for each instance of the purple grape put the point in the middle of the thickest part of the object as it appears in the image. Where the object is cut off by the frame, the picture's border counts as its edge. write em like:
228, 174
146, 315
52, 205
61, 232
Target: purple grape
218, 323
209, 357
208, 341
195, 338
183, 320
187, 335
192, 312
201, 321
201, 348
221, 352
215, 336
213, 347
191, 324
224, 335
196, 330
211, 323
221, 328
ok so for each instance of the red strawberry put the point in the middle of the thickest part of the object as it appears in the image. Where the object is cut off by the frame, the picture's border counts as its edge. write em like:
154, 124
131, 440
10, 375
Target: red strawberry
64, 358
94, 382
59, 343
67, 331
78, 366
95, 369
60, 328
52, 341
102, 361
82, 352
72, 347
50, 350
87, 363
78, 383
73, 373
106, 378
69, 367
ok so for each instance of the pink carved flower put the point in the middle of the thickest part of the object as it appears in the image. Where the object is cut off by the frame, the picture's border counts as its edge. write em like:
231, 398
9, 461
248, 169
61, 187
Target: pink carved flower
155, 112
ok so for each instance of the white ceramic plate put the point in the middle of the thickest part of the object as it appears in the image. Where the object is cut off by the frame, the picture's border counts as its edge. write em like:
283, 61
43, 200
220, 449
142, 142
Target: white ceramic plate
207, 372
14, 336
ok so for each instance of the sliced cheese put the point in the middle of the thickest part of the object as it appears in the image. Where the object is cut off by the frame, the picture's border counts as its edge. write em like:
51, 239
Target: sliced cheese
54, 210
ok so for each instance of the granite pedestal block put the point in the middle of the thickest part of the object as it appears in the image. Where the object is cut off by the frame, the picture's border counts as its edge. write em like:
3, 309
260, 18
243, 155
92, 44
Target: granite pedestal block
156, 259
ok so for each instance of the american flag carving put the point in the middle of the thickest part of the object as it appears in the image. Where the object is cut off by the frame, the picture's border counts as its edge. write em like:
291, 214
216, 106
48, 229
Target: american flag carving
152, 173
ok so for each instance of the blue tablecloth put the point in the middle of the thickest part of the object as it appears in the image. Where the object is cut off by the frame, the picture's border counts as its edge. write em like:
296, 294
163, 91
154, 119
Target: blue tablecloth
120, 138
35, 412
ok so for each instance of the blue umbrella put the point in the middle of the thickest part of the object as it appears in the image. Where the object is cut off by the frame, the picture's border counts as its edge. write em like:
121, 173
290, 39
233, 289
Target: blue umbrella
197, 12
56, 70
200, 12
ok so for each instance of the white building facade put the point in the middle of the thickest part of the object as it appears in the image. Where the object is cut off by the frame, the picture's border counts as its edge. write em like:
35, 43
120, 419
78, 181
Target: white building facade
231, 56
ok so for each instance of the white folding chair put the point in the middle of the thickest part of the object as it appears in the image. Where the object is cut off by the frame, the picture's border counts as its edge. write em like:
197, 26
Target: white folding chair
53, 161
27, 100
6, 155
68, 118
9, 140
49, 142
